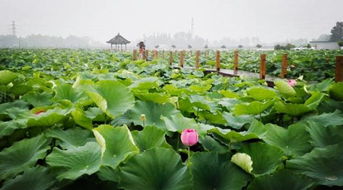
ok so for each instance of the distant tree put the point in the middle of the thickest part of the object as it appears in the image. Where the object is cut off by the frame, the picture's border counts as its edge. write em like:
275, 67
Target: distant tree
173, 46
286, 47
240, 46
289, 46
157, 46
337, 32
8, 41
277, 47
189, 46
259, 46
324, 37
206, 46
308, 46
340, 43
223, 46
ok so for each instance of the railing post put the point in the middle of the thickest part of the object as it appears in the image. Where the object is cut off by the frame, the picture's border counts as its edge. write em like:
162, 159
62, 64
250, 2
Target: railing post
134, 55
284, 66
218, 60
235, 62
339, 68
263, 66
171, 59
182, 58
146, 54
155, 54
197, 59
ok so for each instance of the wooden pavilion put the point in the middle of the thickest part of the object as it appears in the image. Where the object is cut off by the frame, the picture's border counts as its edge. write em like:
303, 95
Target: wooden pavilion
118, 41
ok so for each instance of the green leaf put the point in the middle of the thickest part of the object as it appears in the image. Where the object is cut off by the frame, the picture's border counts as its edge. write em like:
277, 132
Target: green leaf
81, 119
261, 93
322, 86
323, 164
291, 109
108, 174
159, 98
210, 144
252, 108
112, 97
178, 123
327, 119
242, 160
7, 76
116, 144
215, 171
293, 141
22, 155
47, 118
202, 102
284, 88
152, 111
38, 99
72, 137
234, 136
265, 158
67, 92
76, 161
314, 100
150, 137
237, 122
281, 180
95, 114
37, 178
211, 117
13, 110
229, 94
336, 91
8, 127
145, 83
155, 169
323, 136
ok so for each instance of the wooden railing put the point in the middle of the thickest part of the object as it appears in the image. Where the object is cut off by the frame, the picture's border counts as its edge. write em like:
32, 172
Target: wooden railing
263, 62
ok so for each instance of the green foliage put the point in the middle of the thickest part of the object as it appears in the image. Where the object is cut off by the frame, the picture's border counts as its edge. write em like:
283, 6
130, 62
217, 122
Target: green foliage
76, 119
22, 155
155, 169
112, 97
283, 180
337, 32
215, 171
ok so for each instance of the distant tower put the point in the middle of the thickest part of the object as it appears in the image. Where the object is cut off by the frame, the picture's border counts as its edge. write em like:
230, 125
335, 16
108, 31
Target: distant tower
13, 28
192, 26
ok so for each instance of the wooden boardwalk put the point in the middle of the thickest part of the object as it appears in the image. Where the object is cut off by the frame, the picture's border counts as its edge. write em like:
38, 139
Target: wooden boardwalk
245, 74
230, 73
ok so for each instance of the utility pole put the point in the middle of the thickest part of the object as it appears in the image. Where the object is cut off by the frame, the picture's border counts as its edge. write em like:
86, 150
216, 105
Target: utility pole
192, 26
13, 28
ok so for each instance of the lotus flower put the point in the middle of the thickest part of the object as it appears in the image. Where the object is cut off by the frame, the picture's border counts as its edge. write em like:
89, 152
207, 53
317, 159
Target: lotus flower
189, 137
39, 112
292, 82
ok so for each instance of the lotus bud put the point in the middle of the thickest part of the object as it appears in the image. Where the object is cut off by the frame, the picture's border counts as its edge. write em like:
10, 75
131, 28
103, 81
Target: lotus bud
142, 117
292, 82
189, 137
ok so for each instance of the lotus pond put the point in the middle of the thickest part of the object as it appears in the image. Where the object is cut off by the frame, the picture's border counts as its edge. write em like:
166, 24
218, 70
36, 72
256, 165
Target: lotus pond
79, 119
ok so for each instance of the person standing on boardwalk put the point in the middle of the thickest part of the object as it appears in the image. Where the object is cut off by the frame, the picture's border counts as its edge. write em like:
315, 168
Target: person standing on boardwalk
141, 46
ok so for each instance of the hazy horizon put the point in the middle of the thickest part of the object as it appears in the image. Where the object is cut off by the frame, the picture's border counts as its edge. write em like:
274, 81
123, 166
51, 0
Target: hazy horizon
269, 20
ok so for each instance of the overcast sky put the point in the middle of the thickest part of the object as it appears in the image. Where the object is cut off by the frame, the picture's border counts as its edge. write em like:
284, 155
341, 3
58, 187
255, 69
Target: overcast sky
270, 20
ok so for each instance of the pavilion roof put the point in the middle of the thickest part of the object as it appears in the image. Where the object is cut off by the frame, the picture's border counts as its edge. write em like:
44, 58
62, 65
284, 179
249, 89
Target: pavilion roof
118, 39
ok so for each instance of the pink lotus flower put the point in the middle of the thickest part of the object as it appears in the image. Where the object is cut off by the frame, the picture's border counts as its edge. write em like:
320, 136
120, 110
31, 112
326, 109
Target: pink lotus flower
189, 137
292, 82
39, 112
